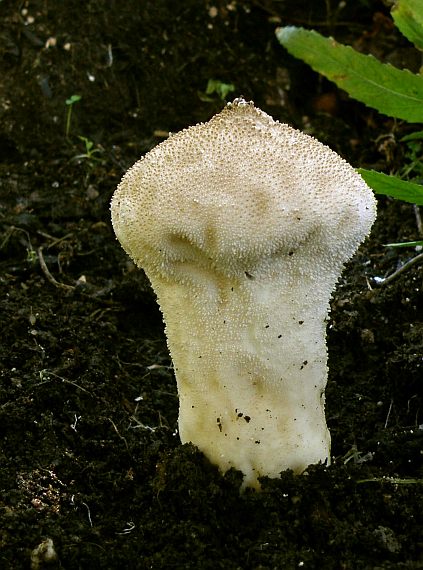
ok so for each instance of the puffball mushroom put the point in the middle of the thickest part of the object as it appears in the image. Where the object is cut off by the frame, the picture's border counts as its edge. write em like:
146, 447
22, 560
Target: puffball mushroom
243, 225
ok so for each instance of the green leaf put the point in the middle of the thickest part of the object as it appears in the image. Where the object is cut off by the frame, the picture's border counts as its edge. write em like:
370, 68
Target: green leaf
394, 92
408, 17
393, 186
73, 99
219, 87
415, 136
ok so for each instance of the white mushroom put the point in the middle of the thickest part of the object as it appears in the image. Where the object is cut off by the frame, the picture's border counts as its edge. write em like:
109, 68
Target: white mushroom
243, 225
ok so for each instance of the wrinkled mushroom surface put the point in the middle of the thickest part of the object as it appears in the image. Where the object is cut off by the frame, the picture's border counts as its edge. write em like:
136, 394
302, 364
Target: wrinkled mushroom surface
243, 225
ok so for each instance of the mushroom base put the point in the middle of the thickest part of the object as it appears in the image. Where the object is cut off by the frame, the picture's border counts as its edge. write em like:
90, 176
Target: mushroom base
251, 383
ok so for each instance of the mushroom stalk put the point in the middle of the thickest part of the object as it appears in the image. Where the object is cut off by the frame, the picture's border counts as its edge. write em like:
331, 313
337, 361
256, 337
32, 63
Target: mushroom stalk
243, 226
261, 409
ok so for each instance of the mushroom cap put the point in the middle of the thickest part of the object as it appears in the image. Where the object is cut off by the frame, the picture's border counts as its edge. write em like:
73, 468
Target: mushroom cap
236, 192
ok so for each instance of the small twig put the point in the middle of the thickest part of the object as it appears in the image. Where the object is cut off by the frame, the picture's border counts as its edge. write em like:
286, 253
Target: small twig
49, 276
128, 529
393, 480
121, 436
89, 513
388, 414
46, 373
9, 233
384, 281
141, 425
54, 240
418, 220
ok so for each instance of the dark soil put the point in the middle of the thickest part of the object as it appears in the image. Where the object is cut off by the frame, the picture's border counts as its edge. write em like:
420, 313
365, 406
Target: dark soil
90, 455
